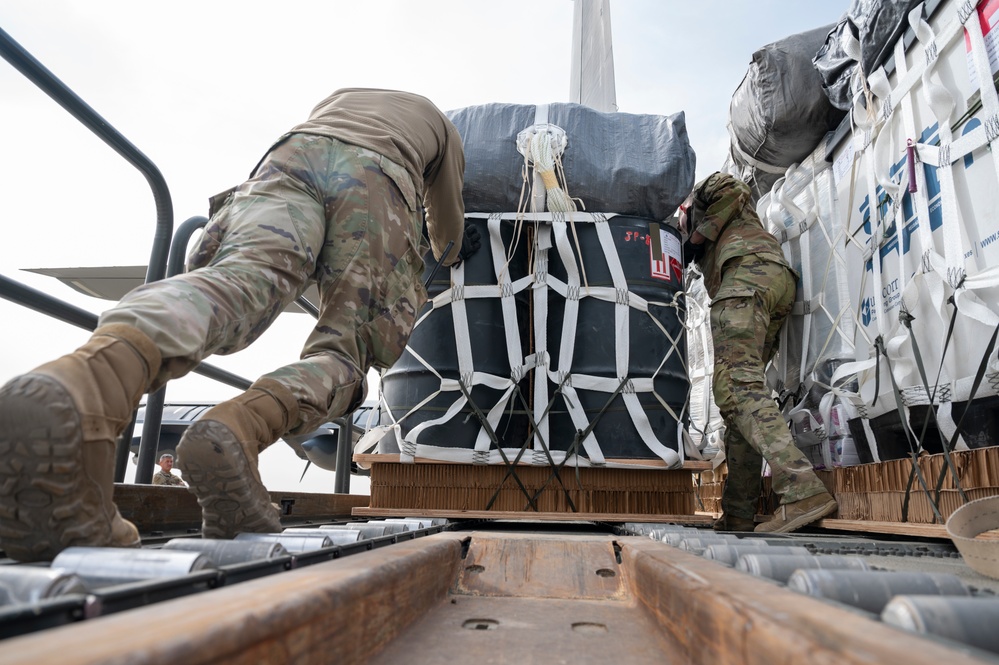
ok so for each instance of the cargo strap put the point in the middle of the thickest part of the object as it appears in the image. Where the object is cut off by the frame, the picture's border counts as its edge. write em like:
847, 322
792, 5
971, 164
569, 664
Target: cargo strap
511, 466
914, 448
556, 468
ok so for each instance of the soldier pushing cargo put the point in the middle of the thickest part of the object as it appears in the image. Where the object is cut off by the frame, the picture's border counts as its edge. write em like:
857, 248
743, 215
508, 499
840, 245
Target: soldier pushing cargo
336, 200
752, 289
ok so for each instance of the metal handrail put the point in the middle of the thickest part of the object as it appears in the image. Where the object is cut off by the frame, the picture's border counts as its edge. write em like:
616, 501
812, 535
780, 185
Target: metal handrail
163, 251
38, 74
25, 63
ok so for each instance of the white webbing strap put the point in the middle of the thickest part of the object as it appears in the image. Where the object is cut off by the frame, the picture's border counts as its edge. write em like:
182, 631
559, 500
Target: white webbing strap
542, 359
942, 103
990, 98
567, 347
621, 303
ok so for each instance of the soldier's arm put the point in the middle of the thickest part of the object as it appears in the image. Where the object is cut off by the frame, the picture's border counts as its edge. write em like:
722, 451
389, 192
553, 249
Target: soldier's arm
445, 208
728, 203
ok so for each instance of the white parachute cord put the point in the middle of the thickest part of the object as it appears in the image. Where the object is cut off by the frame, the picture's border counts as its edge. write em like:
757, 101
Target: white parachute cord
546, 147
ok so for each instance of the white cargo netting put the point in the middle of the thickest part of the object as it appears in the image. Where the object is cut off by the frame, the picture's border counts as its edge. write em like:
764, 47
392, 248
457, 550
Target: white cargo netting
549, 233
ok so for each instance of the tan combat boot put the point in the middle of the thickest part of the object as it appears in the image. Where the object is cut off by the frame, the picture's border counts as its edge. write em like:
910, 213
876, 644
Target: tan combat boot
58, 426
792, 516
218, 457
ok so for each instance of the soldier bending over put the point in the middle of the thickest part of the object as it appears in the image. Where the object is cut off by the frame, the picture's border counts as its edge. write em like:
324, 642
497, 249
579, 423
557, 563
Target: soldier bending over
752, 290
335, 200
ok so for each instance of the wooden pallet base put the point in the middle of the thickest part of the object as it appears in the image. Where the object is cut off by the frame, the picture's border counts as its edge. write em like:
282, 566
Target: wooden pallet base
468, 487
692, 520
166, 509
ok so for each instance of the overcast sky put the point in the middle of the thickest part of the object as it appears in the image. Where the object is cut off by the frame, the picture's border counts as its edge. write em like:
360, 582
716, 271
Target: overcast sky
203, 88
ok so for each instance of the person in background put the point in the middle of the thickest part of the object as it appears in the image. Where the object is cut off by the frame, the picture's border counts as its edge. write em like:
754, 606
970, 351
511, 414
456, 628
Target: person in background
336, 200
165, 475
752, 289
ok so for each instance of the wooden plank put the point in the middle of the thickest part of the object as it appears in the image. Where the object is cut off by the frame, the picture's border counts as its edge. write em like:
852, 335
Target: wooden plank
531, 516
159, 508
689, 465
311, 504
896, 528
715, 614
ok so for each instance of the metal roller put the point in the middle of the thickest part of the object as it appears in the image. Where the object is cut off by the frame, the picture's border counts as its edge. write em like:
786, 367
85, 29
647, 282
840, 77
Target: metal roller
871, 590
105, 566
674, 538
729, 554
338, 536
429, 521
26, 584
648, 528
698, 544
391, 526
368, 531
413, 523
228, 552
660, 530
779, 566
971, 621
293, 543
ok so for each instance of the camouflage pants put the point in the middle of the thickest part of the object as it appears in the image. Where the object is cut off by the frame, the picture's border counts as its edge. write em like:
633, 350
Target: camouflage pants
314, 209
752, 303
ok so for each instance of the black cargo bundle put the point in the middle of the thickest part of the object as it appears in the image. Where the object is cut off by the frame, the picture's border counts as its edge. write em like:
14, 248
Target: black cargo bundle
624, 163
877, 25
779, 113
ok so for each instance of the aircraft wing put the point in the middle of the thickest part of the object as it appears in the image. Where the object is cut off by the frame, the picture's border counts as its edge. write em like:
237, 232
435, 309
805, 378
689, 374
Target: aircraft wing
113, 282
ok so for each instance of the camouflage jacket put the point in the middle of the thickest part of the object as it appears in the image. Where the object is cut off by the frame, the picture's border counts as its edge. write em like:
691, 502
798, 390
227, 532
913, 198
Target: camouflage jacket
411, 132
163, 478
731, 228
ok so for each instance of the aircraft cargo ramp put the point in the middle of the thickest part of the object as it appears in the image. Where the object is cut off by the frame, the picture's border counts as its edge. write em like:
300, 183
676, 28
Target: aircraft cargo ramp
512, 591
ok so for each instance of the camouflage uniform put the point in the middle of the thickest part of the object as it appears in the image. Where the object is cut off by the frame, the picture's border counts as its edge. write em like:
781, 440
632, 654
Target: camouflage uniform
336, 200
161, 477
752, 290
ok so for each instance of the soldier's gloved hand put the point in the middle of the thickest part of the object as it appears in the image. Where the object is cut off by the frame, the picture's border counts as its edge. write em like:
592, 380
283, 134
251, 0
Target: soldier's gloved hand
692, 252
470, 243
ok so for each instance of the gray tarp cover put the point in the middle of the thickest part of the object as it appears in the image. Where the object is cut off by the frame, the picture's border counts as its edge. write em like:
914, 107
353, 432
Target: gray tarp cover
877, 24
624, 163
779, 113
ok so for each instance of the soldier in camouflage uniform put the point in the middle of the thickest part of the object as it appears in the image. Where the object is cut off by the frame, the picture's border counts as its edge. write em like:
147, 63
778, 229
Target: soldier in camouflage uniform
336, 200
752, 289
165, 476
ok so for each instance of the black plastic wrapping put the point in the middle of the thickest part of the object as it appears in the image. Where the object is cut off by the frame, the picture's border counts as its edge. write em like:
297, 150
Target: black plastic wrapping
779, 112
877, 25
624, 163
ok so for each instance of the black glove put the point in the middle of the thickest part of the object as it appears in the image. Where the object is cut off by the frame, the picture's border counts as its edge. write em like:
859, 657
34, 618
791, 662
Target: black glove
692, 252
470, 243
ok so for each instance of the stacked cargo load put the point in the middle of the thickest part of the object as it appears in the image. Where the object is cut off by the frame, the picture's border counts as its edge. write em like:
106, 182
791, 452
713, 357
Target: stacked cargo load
918, 176
893, 224
561, 340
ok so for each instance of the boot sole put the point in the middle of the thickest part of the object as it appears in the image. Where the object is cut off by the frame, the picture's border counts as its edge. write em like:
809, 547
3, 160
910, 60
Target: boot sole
43, 491
219, 474
814, 515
